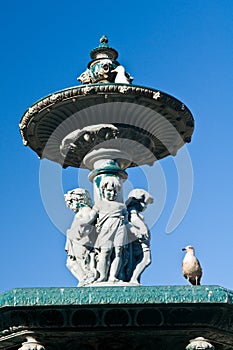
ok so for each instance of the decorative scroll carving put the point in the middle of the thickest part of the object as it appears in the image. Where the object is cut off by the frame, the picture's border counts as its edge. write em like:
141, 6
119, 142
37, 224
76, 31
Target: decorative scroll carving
31, 344
199, 344
81, 141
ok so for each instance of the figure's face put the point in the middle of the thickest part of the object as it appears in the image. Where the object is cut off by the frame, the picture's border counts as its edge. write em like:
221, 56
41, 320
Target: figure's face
74, 205
110, 193
78, 202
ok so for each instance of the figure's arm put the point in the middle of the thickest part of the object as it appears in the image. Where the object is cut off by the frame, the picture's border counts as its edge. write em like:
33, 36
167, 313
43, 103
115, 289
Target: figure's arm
138, 223
92, 216
72, 232
86, 223
81, 225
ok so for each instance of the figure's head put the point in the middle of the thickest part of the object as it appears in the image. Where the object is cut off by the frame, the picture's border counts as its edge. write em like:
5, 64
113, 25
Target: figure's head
139, 198
110, 187
78, 198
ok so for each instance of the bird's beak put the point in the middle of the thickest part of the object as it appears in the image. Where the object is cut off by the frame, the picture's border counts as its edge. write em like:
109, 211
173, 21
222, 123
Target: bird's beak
113, 71
183, 249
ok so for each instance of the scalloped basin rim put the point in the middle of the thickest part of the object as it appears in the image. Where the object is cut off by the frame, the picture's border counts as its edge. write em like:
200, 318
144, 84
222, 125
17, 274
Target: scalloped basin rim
104, 84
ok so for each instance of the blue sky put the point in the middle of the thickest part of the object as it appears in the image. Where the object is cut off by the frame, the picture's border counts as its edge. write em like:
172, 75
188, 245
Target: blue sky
182, 47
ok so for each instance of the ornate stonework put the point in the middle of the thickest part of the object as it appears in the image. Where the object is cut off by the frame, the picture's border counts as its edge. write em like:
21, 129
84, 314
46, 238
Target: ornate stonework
31, 344
109, 241
104, 68
107, 125
199, 344
146, 111
166, 317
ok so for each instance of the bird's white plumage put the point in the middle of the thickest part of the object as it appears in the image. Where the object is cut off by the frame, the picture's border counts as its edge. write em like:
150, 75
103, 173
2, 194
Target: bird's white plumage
120, 77
191, 267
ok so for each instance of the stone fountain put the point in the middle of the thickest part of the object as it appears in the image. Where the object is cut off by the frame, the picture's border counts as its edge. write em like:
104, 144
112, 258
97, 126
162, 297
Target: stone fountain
108, 125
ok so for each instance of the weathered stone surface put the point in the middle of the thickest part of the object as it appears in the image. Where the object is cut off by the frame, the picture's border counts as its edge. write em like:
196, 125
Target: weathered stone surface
107, 120
199, 343
31, 344
163, 122
116, 295
104, 67
108, 241
165, 317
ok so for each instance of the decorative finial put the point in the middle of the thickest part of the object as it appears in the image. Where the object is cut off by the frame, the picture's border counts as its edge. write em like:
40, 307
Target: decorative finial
103, 65
103, 51
103, 39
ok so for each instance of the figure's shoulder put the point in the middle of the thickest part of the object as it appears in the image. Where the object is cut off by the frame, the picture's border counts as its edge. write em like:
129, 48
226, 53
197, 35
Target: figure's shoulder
118, 206
95, 208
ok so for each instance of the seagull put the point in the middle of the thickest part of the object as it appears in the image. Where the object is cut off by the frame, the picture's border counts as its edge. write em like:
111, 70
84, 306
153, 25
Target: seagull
121, 76
191, 267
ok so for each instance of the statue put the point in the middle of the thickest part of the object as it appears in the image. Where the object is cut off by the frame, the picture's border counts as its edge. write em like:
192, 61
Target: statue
111, 228
136, 203
81, 237
110, 240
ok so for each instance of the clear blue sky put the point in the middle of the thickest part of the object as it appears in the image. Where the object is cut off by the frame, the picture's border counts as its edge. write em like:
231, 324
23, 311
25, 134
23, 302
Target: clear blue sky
184, 48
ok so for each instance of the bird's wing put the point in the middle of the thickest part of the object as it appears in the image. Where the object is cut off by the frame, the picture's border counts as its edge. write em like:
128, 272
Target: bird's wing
199, 266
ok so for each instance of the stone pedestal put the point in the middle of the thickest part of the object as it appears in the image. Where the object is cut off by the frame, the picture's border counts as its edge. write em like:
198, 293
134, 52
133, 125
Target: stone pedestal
117, 318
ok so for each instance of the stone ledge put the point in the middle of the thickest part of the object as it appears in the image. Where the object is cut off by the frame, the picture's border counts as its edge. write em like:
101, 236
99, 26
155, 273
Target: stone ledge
116, 295
117, 318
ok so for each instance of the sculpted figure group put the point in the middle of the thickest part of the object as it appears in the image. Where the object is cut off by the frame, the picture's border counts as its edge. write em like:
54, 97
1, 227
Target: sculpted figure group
108, 241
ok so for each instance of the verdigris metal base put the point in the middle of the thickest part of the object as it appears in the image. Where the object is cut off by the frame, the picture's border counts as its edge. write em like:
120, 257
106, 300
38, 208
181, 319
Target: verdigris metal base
116, 318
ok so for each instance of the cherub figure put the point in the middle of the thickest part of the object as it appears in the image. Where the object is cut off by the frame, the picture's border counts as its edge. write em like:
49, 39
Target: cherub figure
81, 236
111, 228
137, 202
